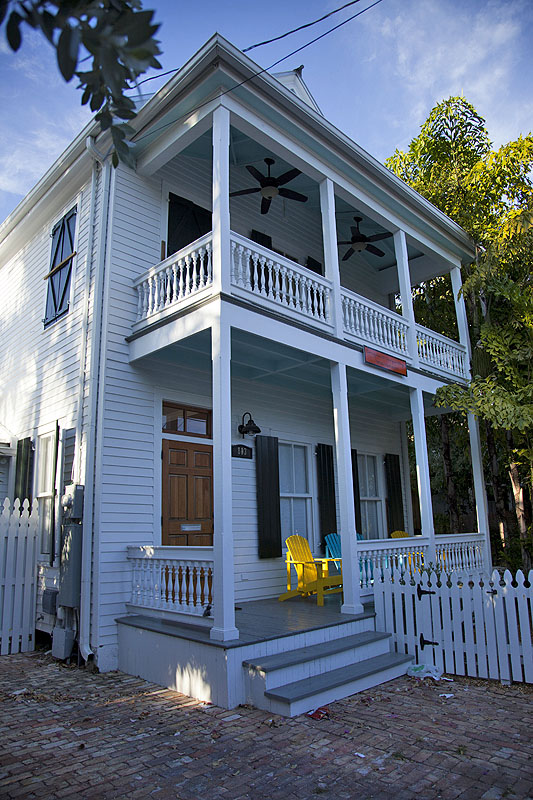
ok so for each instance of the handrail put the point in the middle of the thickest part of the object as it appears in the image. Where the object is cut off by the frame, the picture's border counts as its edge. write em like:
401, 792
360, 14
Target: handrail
272, 278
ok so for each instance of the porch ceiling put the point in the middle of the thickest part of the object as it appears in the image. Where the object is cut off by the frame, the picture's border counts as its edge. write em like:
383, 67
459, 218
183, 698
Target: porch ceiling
245, 151
281, 368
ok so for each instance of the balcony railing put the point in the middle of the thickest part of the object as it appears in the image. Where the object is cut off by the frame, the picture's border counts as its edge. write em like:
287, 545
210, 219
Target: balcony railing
181, 276
441, 354
171, 579
268, 279
279, 281
371, 323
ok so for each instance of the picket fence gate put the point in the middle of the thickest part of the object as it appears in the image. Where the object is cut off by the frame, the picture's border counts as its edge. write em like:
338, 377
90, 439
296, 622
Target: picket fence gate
477, 625
19, 531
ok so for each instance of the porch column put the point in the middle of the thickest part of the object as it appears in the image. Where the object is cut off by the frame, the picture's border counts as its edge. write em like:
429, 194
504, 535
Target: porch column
404, 278
350, 560
220, 199
331, 254
422, 469
480, 494
224, 579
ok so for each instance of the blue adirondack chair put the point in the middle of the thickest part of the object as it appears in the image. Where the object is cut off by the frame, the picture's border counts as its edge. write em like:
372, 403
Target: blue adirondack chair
333, 550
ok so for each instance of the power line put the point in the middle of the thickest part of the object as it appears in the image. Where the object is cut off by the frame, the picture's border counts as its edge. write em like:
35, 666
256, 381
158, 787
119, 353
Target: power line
301, 28
255, 74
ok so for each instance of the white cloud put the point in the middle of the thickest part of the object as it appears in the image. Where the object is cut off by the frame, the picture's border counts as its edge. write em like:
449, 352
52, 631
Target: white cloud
438, 49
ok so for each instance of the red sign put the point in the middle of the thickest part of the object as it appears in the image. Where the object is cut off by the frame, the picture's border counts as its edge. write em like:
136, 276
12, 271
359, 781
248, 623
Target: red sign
383, 360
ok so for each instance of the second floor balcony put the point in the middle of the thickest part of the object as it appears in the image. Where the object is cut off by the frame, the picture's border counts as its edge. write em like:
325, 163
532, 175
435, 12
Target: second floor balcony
271, 281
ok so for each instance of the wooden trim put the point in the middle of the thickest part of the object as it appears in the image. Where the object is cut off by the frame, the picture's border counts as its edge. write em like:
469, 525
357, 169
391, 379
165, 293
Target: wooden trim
59, 266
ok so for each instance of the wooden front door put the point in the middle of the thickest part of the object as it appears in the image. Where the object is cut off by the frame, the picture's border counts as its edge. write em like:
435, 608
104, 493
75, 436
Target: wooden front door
187, 508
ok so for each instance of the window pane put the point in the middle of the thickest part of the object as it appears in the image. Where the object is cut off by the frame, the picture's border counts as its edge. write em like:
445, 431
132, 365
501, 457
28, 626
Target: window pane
369, 513
173, 419
46, 454
197, 422
286, 480
300, 470
286, 517
45, 519
372, 477
299, 514
361, 465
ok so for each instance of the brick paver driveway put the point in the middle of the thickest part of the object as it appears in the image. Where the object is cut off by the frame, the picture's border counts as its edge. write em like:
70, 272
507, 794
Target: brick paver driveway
66, 732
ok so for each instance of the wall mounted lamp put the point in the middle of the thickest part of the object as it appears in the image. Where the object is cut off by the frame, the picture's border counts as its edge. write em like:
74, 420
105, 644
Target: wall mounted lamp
248, 428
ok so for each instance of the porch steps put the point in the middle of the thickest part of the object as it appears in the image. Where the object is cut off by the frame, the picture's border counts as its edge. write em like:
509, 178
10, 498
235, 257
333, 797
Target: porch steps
297, 681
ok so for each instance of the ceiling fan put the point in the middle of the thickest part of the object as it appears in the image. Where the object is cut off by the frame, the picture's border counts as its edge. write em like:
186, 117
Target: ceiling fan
360, 242
270, 187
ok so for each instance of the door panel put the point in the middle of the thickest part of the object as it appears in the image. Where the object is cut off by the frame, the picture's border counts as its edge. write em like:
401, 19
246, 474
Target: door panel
187, 502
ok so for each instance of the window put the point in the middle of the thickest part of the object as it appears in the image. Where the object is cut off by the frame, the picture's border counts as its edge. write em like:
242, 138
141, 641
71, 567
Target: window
186, 420
295, 495
371, 500
46, 450
59, 276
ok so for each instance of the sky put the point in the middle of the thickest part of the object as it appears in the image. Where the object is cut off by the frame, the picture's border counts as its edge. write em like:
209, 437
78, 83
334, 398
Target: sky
376, 78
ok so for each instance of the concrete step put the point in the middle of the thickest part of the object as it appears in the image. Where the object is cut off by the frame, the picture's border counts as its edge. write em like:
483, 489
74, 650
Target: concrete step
309, 693
293, 665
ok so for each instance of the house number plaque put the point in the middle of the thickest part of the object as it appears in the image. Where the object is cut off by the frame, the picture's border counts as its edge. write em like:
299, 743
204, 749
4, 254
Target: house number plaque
241, 451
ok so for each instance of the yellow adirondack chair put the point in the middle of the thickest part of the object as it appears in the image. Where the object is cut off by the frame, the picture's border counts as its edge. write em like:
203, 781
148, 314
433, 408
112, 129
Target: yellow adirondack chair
312, 573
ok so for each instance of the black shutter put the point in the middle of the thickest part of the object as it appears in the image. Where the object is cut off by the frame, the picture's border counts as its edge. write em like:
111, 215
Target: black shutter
326, 491
24, 470
186, 223
69, 444
356, 493
395, 518
268, 513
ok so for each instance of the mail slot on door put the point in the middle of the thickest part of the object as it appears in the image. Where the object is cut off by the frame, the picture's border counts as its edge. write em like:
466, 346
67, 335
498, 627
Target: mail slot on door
191, 527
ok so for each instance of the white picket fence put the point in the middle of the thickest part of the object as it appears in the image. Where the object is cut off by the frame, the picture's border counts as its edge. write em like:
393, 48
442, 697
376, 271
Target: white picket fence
481, 627
19, 529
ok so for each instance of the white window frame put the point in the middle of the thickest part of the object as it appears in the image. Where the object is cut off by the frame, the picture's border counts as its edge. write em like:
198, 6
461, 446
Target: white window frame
379, 498
308, 496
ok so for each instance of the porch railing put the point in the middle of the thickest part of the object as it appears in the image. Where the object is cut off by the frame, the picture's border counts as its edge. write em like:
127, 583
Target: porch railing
373, 324
463, 553
171, 579
440, 353
278, 280
181, 275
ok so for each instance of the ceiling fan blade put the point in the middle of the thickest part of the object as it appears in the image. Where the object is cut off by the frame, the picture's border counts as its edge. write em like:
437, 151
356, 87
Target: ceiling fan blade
288, 176
345, 242
375, 250
244, 191
348, 253
256, 174
291, 195
377, 237
265, 204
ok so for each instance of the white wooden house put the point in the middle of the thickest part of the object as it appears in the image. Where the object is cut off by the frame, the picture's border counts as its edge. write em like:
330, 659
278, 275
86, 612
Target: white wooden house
146, 314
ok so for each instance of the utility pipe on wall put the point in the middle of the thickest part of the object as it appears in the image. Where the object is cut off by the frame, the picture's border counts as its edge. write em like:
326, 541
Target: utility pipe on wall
87, 544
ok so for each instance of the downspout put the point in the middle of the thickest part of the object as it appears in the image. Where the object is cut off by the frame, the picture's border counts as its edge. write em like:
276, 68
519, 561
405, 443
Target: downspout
93, 389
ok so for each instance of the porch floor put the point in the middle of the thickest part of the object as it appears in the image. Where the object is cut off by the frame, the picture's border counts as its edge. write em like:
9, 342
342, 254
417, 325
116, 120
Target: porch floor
260, 620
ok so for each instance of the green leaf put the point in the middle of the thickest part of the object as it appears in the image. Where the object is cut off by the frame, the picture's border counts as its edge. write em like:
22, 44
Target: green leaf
13, 34
67, 52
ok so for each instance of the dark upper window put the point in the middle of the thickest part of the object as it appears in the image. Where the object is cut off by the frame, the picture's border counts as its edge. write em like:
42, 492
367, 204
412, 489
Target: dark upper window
58, 291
